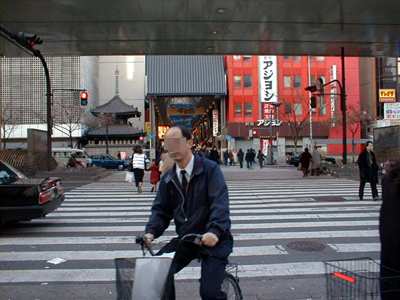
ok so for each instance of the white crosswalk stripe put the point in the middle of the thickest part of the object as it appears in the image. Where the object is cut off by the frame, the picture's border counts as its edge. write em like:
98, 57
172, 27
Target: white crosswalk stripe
98, 222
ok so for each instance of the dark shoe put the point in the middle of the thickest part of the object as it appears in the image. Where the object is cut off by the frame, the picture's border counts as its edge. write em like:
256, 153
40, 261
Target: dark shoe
375, 199
361, 199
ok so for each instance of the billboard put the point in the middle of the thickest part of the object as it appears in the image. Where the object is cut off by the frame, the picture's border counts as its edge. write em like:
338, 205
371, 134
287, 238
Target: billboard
392, 111
268, 75
387, 95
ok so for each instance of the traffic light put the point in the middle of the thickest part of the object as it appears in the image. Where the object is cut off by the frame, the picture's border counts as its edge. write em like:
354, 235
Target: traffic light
28, 40
84, 98
313, 102
141, 138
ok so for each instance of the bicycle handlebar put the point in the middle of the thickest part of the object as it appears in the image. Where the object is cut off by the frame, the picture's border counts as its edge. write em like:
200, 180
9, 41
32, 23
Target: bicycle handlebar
191, 237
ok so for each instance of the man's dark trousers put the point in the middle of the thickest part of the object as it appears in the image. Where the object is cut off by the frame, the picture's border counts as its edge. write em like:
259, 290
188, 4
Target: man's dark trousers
373, 188
212, 276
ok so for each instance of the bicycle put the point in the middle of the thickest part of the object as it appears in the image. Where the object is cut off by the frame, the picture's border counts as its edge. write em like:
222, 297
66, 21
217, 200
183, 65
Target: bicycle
125, 270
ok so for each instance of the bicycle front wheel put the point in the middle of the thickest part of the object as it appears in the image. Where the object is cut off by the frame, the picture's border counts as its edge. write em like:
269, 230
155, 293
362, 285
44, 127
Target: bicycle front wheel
231, 288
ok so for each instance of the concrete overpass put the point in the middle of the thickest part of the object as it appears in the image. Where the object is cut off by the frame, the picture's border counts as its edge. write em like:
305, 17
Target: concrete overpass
127, 27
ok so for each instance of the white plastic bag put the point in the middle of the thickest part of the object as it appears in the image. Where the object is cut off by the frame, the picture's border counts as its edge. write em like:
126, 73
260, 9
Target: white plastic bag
129, 177
150, 277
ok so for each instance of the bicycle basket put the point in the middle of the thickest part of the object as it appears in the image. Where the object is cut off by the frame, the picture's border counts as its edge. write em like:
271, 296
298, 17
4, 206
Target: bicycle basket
141, 278
355, 279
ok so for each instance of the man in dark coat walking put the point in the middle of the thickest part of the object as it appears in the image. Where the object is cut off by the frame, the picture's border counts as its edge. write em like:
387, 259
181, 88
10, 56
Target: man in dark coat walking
240, 157
368, 170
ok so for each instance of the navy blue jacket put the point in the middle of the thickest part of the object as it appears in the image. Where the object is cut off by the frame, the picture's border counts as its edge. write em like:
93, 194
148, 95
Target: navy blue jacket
205, 208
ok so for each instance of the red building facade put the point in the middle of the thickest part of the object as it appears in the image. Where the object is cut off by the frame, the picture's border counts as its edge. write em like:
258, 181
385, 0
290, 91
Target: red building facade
294, 74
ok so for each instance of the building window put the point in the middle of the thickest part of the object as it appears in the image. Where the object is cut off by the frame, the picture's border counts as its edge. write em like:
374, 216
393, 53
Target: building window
296, 58
286, 57
322, 78
237, 57
238, 109
246, 58
298, 109
248, 109
287, 81
319, 58
322, 106
237, 81
247, 81
297, 81
288, 108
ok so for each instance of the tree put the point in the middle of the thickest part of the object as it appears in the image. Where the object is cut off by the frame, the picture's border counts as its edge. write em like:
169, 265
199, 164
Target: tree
296, 114
8, 123
68, 122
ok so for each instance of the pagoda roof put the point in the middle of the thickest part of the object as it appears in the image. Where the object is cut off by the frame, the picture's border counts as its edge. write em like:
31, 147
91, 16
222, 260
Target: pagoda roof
115, 106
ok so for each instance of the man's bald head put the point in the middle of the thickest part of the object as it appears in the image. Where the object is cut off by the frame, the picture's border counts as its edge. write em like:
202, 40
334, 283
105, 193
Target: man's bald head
179, 132
178, 142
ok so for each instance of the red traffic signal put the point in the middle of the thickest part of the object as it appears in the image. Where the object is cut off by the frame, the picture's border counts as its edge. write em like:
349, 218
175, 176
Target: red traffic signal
141, 138
28, 40
84, 98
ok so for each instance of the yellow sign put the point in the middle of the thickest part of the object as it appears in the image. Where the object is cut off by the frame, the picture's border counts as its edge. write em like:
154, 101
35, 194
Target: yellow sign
162, 130
147, 127
387, 95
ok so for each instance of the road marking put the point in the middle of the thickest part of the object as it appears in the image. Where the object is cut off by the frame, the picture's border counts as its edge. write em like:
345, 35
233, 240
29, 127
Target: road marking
80, 240
356, 247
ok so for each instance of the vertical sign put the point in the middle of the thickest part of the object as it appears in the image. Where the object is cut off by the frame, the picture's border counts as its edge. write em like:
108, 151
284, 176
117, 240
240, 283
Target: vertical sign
333, 76
268, 78
215, 121
392, 111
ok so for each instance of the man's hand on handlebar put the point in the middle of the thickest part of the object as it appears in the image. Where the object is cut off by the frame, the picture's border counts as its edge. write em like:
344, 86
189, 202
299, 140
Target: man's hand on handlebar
209, 239
148, 238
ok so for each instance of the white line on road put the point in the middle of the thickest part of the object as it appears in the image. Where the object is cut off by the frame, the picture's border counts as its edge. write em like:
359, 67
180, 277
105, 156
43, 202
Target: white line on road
70, 240
233, 212
233, 218
106, 255
96, 228
108, 275
356, 247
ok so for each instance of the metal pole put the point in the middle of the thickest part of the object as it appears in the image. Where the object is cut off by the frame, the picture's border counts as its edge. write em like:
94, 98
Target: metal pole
343, 107
107, 150
309, 95
270, 138
48, 105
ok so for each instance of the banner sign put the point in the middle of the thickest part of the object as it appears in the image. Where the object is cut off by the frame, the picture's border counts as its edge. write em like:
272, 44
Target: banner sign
268, 78
392, 111
215, 122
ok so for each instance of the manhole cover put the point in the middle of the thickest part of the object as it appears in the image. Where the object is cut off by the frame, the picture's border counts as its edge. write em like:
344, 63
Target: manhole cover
306, 246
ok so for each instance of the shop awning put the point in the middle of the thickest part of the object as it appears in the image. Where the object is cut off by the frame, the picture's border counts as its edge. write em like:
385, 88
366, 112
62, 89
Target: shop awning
190, 75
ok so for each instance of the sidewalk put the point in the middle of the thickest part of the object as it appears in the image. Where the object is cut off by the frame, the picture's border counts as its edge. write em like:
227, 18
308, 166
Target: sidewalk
74, 177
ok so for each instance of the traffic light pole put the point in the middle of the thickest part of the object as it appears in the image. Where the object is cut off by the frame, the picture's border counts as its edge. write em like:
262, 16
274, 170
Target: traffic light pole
344, 108
49, 120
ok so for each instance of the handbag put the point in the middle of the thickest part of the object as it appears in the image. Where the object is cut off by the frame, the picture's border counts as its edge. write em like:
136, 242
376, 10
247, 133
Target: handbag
129, 177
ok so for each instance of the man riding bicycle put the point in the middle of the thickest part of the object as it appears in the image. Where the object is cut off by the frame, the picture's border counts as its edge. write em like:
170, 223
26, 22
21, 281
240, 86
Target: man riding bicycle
195, 195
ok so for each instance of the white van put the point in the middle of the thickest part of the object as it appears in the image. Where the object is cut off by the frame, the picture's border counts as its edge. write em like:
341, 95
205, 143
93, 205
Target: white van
62, 155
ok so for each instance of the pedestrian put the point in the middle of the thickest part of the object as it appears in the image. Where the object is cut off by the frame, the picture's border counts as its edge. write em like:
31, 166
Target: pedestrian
138, 165
261, 158
316, 162
248, 158
252, 157
305, 160
226, 157
389, 227
214, 155
154, 175
240, 156
231, 158
195, 195
368, 171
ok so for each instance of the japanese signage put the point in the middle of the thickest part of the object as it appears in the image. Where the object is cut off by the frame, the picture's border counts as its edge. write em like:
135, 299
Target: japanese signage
162, 130
333, 91
267, 123
392, 111
268, 75
387, 95
215, 122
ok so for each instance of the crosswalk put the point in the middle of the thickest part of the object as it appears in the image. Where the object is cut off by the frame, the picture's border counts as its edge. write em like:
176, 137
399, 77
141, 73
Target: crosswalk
98, 222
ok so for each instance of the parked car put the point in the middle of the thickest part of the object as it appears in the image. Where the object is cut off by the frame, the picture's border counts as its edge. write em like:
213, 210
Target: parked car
63, 155
294, 160
108, 161
23, 198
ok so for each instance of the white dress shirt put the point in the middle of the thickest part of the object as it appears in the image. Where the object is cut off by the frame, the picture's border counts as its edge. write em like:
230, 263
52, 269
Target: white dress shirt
188, 169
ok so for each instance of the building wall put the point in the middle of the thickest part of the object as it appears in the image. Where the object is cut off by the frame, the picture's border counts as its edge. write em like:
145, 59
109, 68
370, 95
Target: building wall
240, 97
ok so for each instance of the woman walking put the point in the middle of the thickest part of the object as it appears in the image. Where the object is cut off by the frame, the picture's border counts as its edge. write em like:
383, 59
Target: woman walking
138, 164
154, 175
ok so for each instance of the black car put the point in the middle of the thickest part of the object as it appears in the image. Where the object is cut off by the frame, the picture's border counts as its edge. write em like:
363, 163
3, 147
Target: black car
294, 160
23, 198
